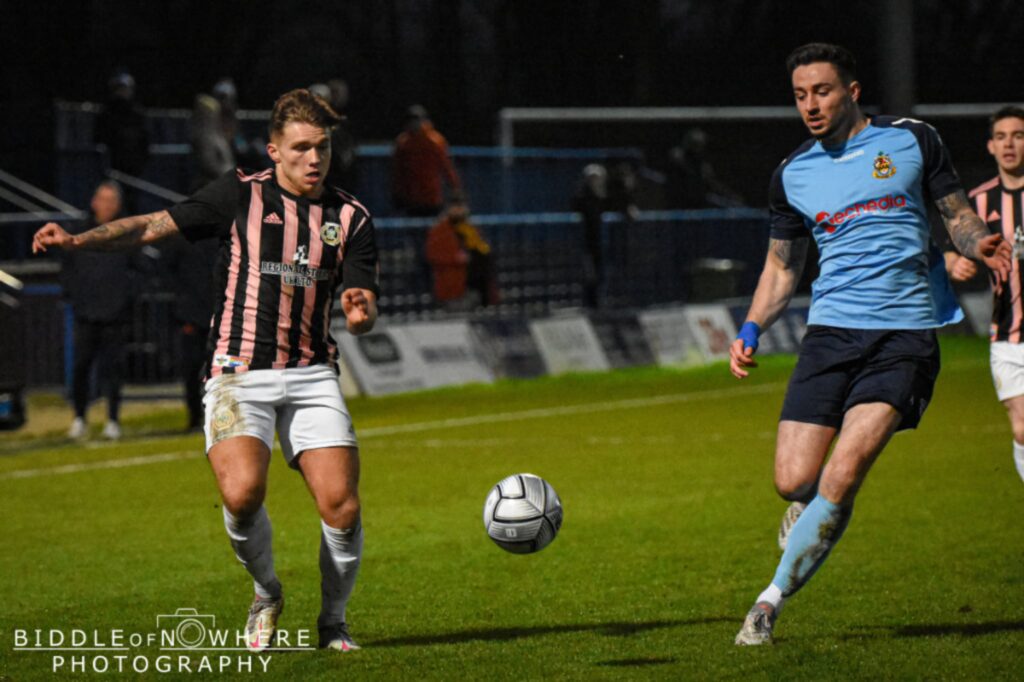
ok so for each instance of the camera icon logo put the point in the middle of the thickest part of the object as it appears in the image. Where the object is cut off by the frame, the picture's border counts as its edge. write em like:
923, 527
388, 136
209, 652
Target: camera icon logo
187, 626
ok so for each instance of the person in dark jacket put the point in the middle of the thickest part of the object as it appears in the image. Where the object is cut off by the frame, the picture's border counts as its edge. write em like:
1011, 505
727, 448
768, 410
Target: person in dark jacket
98, 286
192, 266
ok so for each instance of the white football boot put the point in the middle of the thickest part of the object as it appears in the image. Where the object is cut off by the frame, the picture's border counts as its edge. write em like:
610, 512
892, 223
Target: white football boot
757, 628
262, 623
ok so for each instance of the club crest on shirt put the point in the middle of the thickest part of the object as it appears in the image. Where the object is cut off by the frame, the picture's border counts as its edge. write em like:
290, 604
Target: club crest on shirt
330, 233
884, 167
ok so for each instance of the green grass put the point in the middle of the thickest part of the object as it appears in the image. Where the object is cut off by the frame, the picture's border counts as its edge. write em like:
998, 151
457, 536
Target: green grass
669, 534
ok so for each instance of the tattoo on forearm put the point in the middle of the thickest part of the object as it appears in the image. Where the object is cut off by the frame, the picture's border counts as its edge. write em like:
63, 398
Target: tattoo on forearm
160, 225
964, 225
790, 253
126, 233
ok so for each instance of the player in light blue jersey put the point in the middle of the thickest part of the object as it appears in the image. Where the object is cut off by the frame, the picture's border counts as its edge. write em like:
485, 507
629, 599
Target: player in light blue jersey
870, 357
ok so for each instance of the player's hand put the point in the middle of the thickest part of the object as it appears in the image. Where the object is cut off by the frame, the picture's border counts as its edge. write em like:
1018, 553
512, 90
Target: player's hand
962, 269
741, 355
997, 254
51, 234
360, 310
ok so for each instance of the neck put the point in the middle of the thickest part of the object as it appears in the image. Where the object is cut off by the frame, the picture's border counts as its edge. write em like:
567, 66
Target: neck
286, 185
856, 123
1012, 179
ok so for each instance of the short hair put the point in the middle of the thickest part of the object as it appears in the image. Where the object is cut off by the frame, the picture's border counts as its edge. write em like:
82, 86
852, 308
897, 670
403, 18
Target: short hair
302, 106
112, 185
836, 55
1009, 111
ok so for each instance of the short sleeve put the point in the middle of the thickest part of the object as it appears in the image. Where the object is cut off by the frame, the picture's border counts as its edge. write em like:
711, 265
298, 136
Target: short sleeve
210, 211
359, 267
939, 176
786, 223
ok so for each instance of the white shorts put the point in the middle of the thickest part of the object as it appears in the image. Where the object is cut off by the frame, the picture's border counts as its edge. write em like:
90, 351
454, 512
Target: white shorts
1007, 360
304, 403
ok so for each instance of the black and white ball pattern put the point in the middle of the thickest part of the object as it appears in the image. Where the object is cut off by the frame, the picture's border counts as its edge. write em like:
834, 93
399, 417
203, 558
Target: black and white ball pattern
522, 514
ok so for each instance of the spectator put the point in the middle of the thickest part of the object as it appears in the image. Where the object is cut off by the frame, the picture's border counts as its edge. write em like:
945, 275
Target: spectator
212, 153
121, 126
98, 286
461, 262
590, 202
342, 171
693, 182
420, 162
191, 267
249, 153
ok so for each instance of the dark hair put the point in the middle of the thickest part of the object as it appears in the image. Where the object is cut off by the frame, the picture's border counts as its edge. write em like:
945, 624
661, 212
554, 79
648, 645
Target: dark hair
112, 185
836, 55
1009, 111
302, 106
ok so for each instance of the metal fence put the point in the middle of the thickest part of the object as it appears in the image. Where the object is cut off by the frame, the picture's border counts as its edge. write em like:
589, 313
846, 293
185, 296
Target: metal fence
660, 257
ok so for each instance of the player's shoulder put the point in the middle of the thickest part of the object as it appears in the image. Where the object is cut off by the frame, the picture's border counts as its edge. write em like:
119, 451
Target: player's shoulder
921, 129
801, 151
336, 195
247, 175
984, 187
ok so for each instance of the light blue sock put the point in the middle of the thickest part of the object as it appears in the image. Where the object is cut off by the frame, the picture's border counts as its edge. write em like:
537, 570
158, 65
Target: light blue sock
813, 536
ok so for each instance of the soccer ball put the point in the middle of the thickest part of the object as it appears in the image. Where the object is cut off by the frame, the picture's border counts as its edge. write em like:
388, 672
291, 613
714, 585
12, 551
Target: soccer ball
522, 514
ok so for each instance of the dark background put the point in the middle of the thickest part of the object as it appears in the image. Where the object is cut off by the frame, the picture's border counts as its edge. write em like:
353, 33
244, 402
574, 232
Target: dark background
465, 59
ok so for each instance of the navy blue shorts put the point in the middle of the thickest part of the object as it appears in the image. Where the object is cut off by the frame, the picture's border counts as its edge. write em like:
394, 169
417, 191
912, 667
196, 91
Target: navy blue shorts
839, 368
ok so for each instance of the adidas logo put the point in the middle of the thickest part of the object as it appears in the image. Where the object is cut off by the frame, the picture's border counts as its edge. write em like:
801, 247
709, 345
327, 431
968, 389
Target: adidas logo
273, 219
993, 216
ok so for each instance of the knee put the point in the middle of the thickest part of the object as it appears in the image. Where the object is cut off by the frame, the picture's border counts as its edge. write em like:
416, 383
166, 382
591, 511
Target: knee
1018, 428
795, 489
242, 502
340, 511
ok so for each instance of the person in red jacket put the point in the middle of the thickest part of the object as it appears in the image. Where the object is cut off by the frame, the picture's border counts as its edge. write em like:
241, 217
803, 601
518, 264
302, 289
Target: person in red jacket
420, 166
461, 262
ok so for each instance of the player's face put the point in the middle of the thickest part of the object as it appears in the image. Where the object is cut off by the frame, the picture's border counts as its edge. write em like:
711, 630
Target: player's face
302, 153
105, 205
826, 104
1007, 144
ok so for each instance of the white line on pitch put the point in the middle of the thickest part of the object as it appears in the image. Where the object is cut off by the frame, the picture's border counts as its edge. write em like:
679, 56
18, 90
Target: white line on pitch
104, 464
586, 408
500, 417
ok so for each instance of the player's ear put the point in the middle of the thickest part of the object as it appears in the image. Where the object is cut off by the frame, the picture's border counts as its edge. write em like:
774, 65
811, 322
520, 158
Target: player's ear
991, 145
854, 88
273, 152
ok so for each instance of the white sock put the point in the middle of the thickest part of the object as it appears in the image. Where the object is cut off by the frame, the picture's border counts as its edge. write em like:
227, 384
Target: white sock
772, 595
340, 553
1018, 457
251, 540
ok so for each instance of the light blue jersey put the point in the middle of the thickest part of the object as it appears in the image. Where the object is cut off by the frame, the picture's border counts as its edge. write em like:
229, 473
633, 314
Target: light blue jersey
864, 204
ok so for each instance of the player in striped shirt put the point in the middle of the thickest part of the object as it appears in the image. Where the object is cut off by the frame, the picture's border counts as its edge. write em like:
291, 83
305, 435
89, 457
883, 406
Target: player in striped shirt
1000, 203
287, 243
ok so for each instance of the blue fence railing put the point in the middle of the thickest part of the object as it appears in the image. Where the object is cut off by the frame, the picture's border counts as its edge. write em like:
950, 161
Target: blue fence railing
661, 257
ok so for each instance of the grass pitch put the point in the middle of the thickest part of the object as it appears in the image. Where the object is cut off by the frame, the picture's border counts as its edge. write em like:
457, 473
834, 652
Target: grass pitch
669, 534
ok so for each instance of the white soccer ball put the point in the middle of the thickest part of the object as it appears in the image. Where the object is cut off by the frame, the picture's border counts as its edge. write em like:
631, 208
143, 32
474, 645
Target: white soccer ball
522, 514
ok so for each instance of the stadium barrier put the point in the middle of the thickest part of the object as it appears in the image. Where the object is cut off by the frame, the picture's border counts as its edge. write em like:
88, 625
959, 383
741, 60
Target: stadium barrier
401, 357
658, 258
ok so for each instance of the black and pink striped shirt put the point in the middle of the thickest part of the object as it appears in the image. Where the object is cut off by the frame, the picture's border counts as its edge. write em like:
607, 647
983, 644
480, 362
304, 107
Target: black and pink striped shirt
282, 258
1003, 211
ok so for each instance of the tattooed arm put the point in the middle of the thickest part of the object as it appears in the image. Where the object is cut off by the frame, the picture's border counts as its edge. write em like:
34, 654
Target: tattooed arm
781, 274
782, 270
972, 238
120, 234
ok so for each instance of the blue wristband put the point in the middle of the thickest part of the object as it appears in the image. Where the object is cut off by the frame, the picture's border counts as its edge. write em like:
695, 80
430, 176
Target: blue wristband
749, 332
